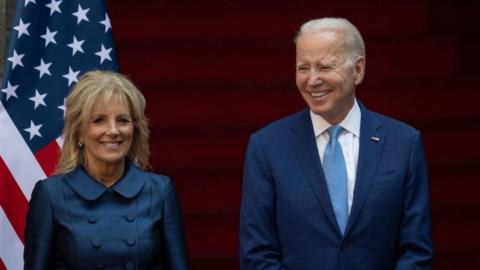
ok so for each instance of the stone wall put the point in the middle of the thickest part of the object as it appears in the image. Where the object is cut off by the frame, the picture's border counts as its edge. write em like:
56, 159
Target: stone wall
7, 13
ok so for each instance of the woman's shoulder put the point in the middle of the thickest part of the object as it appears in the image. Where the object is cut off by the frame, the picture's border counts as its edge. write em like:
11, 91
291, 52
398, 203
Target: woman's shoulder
157, 183
157, 179
51, 185
51, 180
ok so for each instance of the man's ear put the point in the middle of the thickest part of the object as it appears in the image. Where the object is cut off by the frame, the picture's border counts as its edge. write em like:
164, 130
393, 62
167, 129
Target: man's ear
359, 69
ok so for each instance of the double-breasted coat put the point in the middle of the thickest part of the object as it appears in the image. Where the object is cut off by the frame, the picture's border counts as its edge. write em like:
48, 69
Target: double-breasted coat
74, 222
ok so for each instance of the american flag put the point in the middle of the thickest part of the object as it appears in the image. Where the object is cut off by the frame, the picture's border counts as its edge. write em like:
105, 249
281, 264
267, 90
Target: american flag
52, 43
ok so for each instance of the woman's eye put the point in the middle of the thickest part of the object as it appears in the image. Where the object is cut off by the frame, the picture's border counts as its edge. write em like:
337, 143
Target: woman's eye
97, 120
124, 120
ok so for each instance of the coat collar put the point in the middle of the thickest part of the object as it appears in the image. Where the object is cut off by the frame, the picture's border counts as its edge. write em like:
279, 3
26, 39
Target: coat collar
371, 144
90, 189
305, 147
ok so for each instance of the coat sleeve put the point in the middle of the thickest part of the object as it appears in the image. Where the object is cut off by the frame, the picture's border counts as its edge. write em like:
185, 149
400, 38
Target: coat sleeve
39, 230
259, 244
175, 246
415, 243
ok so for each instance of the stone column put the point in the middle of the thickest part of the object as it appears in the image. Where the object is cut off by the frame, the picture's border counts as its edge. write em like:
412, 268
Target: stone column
7, 13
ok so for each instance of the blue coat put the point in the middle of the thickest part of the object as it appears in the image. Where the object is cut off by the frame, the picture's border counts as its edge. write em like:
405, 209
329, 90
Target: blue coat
74, 222
287, 219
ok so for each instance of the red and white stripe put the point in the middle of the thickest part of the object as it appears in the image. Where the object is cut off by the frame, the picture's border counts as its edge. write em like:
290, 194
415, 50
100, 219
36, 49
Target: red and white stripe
20, 169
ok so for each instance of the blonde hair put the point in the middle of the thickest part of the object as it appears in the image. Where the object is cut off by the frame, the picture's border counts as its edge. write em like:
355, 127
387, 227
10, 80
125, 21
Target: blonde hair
90, 89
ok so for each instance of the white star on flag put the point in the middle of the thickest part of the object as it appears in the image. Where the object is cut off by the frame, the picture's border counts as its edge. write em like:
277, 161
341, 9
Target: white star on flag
76, 45
10, 90
81, 14
107, 23
49, 37
22, 28
62, 107
34, 130
53, 42
71, 76
16, 59
104, 54
43, 68
38, 99
29, 1
54, 6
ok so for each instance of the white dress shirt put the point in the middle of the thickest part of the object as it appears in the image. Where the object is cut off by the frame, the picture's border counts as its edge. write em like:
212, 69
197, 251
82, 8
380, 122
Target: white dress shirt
349, 139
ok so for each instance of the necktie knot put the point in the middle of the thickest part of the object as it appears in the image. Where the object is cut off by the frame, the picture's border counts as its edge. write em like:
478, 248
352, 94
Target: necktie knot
334, 131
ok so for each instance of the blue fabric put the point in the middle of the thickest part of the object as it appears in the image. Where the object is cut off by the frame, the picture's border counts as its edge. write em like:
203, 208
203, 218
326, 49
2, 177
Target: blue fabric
74, 222
287, 219
335, 172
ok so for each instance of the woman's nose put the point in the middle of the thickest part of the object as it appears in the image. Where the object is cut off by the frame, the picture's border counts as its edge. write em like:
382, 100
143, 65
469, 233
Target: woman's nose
113, 128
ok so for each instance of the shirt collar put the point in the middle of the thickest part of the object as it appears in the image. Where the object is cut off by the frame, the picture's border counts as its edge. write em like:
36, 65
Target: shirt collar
350, 123
128, 186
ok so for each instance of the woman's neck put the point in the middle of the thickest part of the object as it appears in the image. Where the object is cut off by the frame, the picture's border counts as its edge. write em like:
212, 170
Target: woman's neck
106, 173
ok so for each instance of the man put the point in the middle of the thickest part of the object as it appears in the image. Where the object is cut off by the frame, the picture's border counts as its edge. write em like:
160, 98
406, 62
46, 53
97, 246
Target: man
335, 186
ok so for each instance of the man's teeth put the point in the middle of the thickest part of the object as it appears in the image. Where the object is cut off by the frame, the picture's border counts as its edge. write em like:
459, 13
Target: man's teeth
318, 94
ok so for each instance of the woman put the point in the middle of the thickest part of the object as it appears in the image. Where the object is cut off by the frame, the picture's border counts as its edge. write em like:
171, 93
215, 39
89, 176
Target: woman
102, 209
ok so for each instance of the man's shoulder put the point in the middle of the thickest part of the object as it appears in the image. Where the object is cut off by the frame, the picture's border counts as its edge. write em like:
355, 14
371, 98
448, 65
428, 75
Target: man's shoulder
391, 125
281, 125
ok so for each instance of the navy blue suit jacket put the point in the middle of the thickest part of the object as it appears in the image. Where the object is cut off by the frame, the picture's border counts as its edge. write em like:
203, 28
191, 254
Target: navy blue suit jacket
74, 222
287, 219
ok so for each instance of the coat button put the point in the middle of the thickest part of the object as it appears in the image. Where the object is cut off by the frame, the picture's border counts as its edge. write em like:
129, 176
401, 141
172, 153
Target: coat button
92, 219
97, 242
130, 217
131, 241
130, 266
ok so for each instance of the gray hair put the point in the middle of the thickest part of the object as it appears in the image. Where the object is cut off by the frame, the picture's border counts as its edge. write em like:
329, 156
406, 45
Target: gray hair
353, 38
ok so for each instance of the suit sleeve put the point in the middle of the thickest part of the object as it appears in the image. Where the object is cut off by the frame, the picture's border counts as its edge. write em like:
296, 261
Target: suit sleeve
415, 245
39, 230
259, 244
175, 247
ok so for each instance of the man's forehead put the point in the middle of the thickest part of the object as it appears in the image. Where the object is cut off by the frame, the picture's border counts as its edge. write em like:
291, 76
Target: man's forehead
324, 51
322, 34
324, 59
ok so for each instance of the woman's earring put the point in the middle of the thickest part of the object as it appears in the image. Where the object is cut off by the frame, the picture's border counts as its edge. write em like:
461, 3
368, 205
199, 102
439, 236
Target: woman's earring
80, 144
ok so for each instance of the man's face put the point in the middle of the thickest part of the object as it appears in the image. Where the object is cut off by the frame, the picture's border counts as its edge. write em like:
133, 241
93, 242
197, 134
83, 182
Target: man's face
325, 78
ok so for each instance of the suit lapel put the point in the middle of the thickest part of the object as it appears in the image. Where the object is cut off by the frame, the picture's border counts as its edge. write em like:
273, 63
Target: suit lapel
371, 144
305, 148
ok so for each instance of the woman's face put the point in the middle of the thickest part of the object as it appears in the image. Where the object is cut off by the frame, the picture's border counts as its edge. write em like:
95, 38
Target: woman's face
107, 134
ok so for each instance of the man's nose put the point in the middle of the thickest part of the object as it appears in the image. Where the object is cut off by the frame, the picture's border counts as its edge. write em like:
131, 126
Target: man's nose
314, 78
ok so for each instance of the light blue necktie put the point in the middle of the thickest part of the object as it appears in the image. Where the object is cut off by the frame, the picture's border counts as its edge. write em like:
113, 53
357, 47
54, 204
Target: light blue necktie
336, 175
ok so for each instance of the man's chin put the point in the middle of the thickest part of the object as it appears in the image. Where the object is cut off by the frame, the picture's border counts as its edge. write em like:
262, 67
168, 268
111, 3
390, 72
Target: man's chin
327, 114
322, 111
